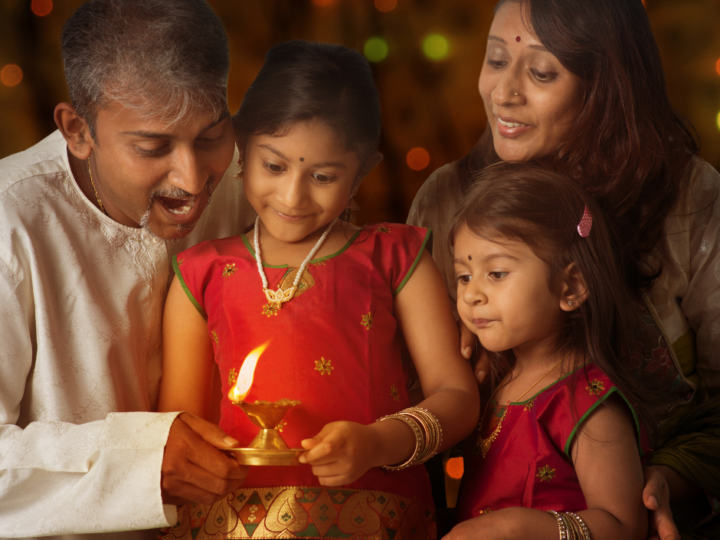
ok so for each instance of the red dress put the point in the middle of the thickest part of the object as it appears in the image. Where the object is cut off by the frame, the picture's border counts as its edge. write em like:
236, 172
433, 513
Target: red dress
336, 348
528, 464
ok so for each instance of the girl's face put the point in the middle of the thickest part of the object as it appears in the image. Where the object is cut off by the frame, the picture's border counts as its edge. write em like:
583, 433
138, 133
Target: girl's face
299, 182
530, 99
503, 294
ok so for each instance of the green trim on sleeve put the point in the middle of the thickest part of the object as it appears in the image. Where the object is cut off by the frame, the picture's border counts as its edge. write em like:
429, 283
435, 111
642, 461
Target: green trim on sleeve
414, 264
584, 417
179, 275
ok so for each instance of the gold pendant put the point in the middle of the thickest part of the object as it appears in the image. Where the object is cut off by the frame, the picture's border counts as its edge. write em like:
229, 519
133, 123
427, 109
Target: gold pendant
279, 296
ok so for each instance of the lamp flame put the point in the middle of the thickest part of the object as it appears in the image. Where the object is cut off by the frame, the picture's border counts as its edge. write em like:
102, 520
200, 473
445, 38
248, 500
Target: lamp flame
240, 389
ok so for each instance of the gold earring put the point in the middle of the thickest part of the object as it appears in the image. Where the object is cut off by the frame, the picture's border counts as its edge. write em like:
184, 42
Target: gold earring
239, 174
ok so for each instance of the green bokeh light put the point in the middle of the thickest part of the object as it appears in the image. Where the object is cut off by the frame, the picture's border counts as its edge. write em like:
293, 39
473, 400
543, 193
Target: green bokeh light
376, 49
436, 47
718, 120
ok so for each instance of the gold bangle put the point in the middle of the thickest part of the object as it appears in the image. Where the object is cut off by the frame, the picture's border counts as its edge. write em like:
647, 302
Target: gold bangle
560, 523
419, 442
582, 528
432, 430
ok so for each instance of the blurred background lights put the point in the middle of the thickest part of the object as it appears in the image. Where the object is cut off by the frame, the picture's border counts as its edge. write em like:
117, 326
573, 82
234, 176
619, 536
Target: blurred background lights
11, 75
385, 5
436, 46
41, 7
718, 120
376, 49
418, 159
455, 467
717, 66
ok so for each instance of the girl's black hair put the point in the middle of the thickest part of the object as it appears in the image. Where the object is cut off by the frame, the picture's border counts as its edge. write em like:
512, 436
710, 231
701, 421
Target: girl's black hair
542, 208
302, 80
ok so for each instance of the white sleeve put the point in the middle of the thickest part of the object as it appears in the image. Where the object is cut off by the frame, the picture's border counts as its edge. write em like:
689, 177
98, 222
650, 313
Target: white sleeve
701, 302
62, 478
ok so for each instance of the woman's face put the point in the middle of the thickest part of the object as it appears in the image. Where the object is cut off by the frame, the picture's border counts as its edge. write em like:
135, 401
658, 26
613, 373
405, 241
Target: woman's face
530, 99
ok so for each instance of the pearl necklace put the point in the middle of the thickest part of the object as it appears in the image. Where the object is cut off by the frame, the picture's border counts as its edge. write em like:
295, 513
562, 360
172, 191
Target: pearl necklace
277, 298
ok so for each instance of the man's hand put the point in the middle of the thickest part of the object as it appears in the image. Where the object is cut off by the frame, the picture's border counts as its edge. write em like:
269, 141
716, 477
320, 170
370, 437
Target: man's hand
656, 498
193, 469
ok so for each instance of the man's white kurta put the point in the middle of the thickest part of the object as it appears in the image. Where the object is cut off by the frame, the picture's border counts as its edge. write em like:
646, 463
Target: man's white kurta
81, 301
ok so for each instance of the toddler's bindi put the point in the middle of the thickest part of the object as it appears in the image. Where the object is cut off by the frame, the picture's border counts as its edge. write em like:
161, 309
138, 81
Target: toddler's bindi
469, 257
517, 39
302, 159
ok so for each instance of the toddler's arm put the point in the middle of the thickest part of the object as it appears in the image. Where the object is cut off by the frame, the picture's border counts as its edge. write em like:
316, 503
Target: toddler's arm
606, 459
344, 451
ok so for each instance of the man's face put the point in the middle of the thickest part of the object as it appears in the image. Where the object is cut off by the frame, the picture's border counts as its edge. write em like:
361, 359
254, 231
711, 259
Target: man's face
155, 175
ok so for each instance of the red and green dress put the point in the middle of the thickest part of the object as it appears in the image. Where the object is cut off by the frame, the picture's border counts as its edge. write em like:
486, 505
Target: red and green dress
529, 464
335, 347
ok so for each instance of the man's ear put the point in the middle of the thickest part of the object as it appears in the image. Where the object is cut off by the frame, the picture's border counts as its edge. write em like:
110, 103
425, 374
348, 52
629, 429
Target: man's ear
574, 289
75, 130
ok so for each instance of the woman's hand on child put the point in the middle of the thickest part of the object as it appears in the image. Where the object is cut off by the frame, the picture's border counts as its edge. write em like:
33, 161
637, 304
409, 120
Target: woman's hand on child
656, 497
469, 345
342, 452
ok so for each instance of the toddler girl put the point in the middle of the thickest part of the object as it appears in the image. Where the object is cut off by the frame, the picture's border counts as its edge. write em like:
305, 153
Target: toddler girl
540, 285
336, 305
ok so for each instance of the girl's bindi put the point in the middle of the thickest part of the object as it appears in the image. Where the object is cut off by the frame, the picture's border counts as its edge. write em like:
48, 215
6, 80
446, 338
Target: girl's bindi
469, 257
302, 159
518, 39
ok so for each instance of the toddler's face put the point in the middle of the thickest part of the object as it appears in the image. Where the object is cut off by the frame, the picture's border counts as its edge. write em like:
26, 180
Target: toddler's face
300, 181
503, 294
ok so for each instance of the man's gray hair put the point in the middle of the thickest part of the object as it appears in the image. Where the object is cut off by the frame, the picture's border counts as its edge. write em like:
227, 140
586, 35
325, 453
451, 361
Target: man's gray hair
161, 58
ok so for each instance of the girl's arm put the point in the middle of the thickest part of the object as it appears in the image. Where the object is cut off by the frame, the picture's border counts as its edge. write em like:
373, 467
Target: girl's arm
188, 360
606, 459
344, 451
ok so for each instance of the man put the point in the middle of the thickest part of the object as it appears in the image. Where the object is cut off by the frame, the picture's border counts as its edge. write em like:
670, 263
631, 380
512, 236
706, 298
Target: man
86, 220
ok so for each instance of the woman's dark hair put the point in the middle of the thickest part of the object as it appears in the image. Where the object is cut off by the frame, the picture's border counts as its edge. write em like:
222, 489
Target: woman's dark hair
627, 146
301, 80
542, 208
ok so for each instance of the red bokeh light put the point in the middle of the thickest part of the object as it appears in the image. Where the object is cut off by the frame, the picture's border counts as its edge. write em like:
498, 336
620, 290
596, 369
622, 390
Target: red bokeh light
41, 7
11, 75
717, 66
455, 467
418, 159
385, 5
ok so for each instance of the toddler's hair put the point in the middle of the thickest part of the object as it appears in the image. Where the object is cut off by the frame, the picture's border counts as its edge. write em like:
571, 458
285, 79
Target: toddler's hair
542, 208
302, 80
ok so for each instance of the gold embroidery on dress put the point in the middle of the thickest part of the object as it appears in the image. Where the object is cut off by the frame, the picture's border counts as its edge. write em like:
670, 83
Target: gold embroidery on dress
229, 270
321, 262
382, 229
232, 376
180, 262
215, 337
529, 405
394, 393
307, 281
595, 387
485, 512
323, 366
545, 474
367, 321
270, 309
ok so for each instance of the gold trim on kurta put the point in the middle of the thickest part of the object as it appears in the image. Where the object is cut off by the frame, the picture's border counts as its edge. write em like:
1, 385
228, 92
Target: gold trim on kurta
394, 393
305, 512
307, 281
232, 376
323, 366
382, 229
215, 337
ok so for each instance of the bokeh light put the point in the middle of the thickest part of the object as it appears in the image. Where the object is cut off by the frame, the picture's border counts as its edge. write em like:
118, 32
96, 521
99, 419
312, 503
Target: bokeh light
718, 120
717, 66
385, 5
418, 159
41, 7
376, 49
436, 46
11, 75
323, 3
455, 467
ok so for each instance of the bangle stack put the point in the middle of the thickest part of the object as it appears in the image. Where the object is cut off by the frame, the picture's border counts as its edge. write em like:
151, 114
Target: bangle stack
428, 435
572, 526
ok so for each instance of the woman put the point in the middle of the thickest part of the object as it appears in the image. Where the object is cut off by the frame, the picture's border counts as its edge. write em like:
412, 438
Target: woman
578, 86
